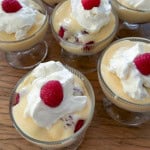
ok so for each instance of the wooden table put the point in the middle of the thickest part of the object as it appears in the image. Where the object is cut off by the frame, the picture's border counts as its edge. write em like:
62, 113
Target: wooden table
103, 133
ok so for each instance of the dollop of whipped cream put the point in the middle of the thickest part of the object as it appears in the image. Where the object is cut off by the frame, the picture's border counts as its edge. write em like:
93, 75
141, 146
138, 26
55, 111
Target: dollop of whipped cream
92, 20
42, 114
139, 4
133, 82
19, 22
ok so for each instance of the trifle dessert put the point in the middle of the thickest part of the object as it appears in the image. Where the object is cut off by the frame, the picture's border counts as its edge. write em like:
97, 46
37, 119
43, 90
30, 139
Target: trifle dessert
133, 14
84, 27
23, 25
52, 106
124, 75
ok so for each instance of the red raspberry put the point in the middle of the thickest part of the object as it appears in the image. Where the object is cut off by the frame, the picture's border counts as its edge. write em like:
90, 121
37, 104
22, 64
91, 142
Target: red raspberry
89, 4
52, 93
79, 124
61, 32
88, 46
17, 99
11, 6
142, 63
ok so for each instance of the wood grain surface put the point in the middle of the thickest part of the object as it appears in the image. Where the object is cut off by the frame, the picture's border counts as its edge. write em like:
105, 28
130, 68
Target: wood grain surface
103, 133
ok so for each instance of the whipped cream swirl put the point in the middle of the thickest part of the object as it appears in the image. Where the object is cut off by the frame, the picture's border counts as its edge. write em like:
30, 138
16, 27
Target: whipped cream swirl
138, 4
18, 22
42, 114
92, 20
133, 82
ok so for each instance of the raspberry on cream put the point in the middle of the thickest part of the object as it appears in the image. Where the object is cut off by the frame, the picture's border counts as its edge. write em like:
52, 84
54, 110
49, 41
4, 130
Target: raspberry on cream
18, 22
91, 19
42, 108
88, 4
52, 93
11, 6
123, 65
142, 63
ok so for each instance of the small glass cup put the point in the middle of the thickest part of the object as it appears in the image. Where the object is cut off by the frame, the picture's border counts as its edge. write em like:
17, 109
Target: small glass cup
80, 56
133, 22
30, 51
70, 143
120, 109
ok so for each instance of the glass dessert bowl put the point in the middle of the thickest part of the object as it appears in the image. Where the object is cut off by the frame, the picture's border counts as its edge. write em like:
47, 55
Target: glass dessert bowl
126, 89
53, 124
134, 17
22, 31
81, 44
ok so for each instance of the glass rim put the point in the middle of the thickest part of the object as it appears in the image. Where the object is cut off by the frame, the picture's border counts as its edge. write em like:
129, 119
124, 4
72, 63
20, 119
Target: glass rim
137, 10
29, 37
51, 143
81, 44
100, 77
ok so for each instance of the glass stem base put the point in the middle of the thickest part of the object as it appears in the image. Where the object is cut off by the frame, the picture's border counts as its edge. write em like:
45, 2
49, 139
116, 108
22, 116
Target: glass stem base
133, 30
85, 64
124, 116
29, 58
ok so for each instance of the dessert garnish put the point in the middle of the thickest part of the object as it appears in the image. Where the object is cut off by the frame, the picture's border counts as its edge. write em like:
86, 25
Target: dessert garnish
52, 93
89, 4
11, 6
142, 63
